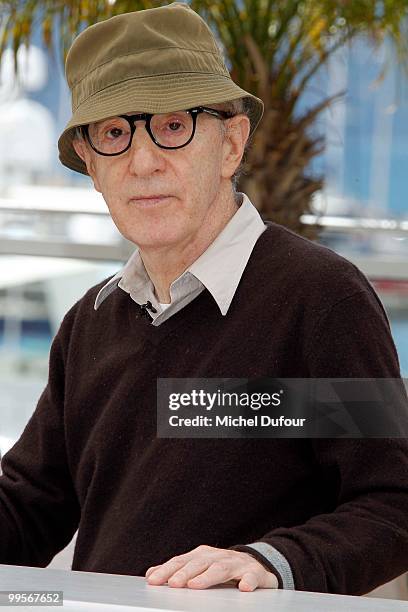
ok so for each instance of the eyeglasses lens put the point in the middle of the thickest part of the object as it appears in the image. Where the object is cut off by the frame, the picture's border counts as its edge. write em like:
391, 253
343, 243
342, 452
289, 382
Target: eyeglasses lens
169, 129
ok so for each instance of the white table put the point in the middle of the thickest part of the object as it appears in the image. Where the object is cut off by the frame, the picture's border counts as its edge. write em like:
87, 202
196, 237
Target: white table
94, 592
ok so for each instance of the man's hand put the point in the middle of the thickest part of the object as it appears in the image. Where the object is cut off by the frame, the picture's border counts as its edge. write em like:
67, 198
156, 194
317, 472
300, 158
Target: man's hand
206, 566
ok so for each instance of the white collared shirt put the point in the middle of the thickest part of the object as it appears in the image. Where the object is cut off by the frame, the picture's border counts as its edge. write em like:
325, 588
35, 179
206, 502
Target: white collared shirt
218, 269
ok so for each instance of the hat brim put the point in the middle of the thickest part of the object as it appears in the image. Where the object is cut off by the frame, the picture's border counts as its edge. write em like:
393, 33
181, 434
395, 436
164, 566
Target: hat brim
153, 94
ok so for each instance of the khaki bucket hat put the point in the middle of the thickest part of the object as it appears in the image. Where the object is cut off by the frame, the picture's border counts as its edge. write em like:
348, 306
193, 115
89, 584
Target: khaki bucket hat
154, 60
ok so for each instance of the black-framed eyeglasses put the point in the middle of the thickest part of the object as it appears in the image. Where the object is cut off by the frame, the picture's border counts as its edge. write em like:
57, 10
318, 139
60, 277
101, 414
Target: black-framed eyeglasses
113, 136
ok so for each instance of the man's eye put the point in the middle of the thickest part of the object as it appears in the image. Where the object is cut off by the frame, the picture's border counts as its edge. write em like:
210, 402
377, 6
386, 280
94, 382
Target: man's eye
114, 133
174, 125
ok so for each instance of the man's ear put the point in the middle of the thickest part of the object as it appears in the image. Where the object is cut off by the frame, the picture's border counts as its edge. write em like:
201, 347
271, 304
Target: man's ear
236, 136
81, 149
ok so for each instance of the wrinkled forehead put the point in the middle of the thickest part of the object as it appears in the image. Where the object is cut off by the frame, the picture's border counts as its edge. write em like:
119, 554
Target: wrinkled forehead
141, 113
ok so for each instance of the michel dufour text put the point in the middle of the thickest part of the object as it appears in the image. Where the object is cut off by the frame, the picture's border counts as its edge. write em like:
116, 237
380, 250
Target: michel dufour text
222, 399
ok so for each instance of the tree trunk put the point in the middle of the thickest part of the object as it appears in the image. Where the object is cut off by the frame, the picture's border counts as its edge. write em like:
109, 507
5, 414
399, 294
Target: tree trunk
275, 171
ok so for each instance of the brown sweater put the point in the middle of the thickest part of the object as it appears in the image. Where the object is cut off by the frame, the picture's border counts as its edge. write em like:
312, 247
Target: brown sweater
337, 509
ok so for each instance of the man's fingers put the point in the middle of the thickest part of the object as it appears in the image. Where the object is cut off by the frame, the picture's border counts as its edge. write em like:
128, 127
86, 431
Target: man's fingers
268, 580
253, 580
161, 573
206, 566
189, 571
248, 582
217, 573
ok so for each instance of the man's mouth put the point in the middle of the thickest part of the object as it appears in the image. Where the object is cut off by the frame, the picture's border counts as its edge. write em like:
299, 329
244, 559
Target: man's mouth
150, 200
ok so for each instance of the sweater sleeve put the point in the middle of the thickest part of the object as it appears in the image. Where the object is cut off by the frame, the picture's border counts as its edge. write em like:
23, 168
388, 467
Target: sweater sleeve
39, 511
363, 542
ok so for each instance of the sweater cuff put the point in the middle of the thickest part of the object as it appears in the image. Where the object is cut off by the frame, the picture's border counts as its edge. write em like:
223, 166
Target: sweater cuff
272, 559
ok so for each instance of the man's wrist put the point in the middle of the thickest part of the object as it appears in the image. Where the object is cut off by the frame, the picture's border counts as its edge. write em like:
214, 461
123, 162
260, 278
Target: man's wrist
266, 566
265, 562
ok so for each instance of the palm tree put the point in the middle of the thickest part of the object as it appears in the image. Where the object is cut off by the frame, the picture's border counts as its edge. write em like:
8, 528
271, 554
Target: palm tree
274, 48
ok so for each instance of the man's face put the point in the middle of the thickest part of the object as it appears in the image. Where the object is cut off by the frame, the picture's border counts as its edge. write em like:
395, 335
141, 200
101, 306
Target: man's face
195, 179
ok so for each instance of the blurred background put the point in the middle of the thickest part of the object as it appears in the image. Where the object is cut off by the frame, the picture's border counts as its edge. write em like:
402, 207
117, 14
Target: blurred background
337, 79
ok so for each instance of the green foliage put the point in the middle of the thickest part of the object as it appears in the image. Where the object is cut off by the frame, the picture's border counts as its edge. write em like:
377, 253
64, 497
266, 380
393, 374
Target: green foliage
274, 46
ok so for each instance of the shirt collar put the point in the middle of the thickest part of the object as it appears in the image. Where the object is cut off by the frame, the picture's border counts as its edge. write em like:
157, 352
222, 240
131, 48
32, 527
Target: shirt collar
219, 268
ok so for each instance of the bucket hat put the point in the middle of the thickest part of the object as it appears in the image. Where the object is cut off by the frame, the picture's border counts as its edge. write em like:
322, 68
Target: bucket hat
154, 60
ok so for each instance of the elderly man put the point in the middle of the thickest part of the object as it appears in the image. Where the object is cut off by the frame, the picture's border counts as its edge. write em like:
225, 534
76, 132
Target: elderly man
211, 291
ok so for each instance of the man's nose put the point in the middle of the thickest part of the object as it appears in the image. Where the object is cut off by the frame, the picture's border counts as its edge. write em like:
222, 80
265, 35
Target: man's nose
144, 155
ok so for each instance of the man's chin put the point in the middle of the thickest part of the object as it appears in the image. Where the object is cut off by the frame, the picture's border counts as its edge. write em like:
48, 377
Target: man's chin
157, 240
